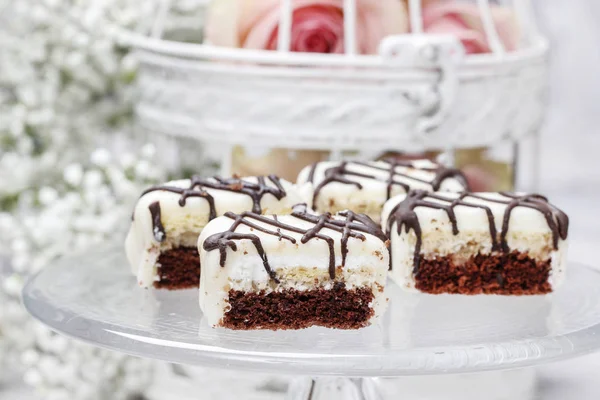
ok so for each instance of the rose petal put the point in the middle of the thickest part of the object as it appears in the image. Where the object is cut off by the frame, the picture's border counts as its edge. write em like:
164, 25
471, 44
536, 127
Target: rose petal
473, 41
221, 21
377, 19
472, 31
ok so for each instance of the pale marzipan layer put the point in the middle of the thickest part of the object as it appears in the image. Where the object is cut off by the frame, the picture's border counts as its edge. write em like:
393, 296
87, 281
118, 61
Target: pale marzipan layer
307, 278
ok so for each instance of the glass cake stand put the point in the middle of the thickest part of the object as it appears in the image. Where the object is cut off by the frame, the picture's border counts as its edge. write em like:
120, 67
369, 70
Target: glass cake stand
93, 297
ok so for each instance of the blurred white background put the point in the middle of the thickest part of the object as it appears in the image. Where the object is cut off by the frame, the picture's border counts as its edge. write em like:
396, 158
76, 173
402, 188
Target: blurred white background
571, 142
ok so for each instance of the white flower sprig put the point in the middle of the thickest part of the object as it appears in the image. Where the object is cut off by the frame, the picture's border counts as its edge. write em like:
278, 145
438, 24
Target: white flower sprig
85, 207
65, 88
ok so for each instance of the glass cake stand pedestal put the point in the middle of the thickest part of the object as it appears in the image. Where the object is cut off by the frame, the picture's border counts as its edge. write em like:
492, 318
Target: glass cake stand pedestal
459, 342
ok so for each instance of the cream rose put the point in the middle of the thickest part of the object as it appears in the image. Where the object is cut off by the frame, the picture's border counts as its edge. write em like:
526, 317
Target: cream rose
317, 25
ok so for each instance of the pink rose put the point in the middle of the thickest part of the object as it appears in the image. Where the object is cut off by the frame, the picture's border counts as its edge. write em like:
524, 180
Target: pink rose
463, 20
317, 25
479, 179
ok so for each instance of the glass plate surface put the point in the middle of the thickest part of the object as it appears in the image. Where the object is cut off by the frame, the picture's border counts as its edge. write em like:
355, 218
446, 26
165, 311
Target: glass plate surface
93, 297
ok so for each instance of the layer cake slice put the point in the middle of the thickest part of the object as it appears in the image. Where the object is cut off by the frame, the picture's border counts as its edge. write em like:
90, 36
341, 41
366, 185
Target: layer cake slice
471, 243
292, 271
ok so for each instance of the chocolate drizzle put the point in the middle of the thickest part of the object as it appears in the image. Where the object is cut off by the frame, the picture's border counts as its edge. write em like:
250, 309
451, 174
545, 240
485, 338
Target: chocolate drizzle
198, 186
404, 215
558, 221
158, 230
343, 174
354, 225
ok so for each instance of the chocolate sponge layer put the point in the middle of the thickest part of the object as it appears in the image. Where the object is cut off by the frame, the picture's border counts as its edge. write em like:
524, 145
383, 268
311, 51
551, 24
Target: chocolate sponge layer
179, 269
293, 309
508, 274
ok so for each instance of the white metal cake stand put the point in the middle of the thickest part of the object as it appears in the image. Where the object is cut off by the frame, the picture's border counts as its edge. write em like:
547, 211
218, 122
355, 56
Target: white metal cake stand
93, 297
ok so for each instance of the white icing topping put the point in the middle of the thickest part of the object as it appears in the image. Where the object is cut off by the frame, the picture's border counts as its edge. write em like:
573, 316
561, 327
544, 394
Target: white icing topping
369, 199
